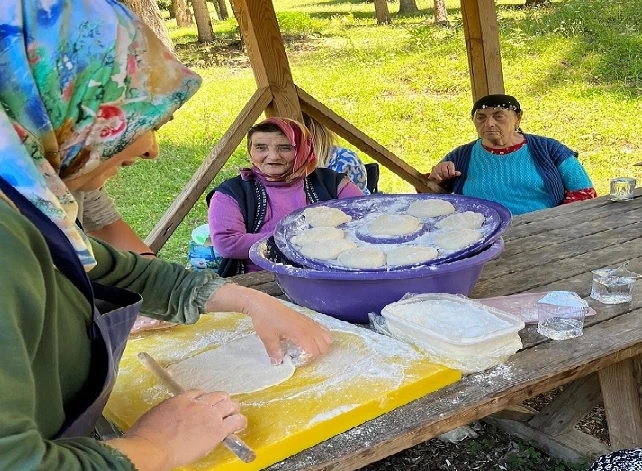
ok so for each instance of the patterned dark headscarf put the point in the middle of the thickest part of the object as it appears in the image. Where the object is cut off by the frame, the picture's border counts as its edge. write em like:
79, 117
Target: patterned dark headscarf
507, 102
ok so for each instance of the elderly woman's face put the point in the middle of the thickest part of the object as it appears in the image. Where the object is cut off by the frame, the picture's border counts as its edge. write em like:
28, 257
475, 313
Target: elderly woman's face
496, 126
272, 153
144, 147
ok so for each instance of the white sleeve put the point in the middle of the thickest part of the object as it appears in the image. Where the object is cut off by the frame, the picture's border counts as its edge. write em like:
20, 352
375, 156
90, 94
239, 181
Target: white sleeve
98, 210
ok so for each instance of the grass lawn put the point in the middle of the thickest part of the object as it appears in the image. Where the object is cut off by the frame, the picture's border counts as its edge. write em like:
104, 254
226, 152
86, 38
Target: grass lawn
575, 65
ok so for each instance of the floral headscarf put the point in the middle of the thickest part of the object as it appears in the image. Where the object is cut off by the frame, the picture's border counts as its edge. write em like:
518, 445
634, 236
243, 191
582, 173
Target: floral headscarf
80, 80
304, 160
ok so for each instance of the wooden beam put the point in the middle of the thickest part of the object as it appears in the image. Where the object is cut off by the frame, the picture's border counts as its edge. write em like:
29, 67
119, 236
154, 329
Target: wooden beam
250, 42
210, 167
572, 446
571, 406
622, 405
266, 50
482, 46
362, 141
516, 412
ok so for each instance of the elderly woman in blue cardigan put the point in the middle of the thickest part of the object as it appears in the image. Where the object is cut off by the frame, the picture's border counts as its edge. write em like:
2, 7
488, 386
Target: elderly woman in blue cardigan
524, 172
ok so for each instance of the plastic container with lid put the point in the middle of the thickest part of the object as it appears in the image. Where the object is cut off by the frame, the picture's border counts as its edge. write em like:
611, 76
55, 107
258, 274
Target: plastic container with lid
455, 331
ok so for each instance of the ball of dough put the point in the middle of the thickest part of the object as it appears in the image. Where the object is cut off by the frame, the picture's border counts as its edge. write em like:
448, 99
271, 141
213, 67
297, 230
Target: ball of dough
390, 225
457, 240
410, 255
317, 234
327, 249
324, 216
430, 208
467, 220
362, 257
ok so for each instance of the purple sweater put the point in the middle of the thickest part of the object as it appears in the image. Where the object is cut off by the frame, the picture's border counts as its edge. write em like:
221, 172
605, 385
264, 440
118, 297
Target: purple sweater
227, 229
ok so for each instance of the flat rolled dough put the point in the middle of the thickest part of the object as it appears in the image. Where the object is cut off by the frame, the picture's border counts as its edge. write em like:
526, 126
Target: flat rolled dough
327, 249
314, 235
411, 254
430, 208
324, 216
362, 257
237, 367
456, 240
467, 220
394, 225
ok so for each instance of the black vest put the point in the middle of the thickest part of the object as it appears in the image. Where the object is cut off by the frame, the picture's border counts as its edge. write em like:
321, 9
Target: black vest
321, 185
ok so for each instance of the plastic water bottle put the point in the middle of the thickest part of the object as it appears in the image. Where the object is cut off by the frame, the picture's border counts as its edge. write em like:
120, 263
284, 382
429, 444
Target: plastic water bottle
203, 258
201, 254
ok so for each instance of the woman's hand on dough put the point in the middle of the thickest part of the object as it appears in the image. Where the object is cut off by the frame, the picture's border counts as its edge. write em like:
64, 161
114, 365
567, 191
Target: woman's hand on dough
444, 171
280, 322
273, 321
180, 430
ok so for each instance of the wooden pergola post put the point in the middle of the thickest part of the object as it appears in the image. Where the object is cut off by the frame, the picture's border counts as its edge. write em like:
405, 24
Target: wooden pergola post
266, 51
277, 95
482, 46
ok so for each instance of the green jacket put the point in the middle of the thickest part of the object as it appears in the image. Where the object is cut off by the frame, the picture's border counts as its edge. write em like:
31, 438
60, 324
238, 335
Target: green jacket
44, 344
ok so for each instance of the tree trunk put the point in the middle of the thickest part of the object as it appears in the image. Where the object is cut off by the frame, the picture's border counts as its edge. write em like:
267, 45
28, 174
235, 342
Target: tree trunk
149, 13
203, 21
238, 27
183, 13
381, 10
222, 9
441, 14
408, 6
172, 10
217, 9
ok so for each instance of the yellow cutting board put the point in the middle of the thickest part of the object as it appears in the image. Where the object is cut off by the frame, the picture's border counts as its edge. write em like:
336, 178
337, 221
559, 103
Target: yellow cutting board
364, 375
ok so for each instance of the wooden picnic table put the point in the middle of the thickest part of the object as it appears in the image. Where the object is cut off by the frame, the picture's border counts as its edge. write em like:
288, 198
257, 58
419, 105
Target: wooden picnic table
553, 249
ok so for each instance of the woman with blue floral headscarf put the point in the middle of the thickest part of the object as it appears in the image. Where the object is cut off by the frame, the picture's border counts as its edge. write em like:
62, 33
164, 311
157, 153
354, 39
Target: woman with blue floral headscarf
83, 85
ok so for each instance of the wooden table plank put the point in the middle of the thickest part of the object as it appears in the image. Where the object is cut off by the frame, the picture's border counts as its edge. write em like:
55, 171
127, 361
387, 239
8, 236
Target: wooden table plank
568, 209
568, 241
548, 272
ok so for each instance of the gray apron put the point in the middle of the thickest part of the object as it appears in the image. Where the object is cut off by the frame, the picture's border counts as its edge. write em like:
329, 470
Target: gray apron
114, 313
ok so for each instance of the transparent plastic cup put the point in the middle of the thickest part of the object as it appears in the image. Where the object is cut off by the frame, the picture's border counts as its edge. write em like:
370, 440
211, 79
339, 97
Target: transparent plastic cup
560, 322
613, 285
622, 188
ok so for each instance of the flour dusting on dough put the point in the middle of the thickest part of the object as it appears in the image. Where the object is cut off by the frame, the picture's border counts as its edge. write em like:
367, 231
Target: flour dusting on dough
238, 367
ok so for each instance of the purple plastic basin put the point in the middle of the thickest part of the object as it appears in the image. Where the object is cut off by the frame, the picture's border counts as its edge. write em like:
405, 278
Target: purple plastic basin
350, 295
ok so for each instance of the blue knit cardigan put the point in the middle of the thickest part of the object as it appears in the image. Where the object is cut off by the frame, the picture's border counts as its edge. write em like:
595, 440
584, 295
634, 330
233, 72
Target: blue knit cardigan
547, 154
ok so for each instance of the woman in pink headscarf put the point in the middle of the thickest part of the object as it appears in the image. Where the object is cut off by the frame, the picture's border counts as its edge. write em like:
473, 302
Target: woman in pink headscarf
283, 177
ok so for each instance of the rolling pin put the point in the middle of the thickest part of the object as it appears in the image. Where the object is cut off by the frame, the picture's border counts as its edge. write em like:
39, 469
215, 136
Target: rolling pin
232, 442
